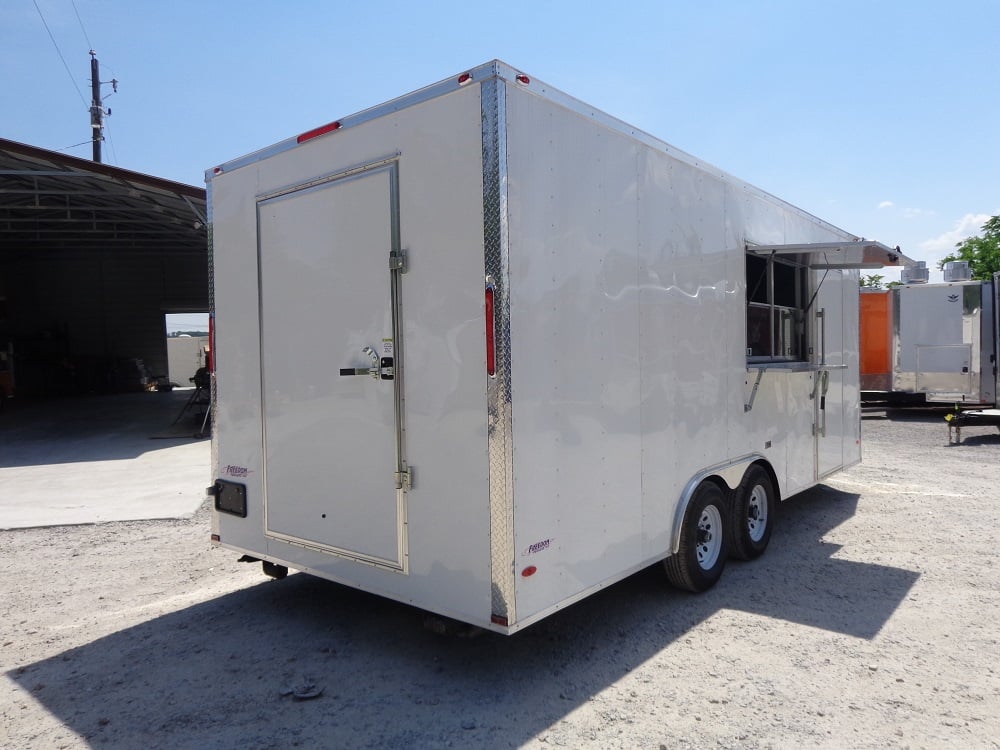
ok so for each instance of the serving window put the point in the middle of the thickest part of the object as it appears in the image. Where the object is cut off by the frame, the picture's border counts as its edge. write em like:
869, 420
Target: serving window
777, 300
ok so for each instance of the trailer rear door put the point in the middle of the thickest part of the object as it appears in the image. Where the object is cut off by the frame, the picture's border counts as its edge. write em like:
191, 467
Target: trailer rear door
331, 373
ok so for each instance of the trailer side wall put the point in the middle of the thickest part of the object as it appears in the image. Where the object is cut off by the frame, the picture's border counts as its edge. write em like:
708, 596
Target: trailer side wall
628, 335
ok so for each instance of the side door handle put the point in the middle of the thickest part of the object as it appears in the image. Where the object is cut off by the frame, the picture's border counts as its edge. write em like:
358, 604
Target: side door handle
381, 369
372, 371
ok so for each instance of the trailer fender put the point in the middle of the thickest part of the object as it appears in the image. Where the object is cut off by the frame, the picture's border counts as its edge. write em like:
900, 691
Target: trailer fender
729, 473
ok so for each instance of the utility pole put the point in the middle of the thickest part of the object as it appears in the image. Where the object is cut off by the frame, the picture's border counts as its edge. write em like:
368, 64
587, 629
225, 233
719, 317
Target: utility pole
96, 106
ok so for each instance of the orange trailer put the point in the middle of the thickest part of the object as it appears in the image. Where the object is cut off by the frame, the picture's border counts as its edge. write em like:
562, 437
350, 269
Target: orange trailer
876, 340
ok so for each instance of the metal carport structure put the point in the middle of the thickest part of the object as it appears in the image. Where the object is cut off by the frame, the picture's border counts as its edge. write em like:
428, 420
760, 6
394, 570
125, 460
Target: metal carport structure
91, 257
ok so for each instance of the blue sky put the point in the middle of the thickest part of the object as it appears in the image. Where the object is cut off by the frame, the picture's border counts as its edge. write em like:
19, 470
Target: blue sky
880, 117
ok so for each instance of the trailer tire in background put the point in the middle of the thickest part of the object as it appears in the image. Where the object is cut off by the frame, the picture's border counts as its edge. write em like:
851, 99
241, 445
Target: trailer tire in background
754, 504
273, 570
704, 543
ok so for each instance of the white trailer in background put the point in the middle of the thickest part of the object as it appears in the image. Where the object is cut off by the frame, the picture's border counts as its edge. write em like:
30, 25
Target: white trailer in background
931, 343
983, 335
486, 350
945, 342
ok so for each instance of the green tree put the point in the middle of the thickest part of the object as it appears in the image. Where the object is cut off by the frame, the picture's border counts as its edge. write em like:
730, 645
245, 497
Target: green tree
982, 253
872, 280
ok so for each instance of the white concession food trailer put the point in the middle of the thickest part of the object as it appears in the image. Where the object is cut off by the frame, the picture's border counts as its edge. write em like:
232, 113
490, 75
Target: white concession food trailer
486, 350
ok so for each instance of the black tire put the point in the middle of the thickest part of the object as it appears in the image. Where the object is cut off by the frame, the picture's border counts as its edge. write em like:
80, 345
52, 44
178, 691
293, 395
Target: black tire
274, 570
704, 545
754, 504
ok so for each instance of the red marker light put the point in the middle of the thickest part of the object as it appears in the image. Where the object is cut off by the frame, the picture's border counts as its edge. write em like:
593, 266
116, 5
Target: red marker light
529, 571
316, 132
464, 78
491, 349
522, 79
217, 170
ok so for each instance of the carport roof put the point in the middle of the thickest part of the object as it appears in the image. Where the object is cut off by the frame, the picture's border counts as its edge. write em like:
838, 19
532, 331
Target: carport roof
55, 203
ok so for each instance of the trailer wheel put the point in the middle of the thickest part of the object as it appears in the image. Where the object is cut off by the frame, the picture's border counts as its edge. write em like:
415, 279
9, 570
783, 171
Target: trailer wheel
704, 544
753, 514
274, 570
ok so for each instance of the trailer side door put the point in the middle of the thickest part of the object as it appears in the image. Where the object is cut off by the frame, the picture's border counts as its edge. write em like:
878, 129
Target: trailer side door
330, 366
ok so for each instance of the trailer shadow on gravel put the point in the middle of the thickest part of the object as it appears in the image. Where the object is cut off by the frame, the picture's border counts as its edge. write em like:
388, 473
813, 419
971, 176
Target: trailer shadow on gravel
214, 674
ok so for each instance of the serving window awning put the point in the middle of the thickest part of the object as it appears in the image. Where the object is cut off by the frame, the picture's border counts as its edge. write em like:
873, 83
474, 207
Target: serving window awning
823, 255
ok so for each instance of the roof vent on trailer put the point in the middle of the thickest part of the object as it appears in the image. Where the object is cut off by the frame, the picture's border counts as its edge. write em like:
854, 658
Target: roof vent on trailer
915, 274
957, 270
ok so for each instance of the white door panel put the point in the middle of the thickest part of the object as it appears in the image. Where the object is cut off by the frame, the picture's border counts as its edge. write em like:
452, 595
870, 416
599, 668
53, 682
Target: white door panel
330, 439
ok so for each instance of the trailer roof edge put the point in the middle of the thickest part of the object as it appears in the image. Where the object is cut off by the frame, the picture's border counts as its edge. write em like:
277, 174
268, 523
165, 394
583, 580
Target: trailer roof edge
498, 69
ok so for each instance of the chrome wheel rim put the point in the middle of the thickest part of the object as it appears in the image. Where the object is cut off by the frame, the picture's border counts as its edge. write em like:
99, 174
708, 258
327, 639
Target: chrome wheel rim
709, 537
757, 513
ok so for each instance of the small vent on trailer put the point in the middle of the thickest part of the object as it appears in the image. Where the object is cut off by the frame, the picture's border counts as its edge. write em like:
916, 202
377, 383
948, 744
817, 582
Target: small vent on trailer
957, 270
915, 274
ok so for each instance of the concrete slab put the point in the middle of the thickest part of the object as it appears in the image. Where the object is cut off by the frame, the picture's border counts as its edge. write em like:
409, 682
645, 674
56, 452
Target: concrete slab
101, 458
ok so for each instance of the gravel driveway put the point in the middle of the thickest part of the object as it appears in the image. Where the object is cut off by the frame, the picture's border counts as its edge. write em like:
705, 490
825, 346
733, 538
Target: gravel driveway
873, 621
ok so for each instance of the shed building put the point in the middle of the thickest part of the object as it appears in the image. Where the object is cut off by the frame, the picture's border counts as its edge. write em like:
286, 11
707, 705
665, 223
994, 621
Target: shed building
92, 257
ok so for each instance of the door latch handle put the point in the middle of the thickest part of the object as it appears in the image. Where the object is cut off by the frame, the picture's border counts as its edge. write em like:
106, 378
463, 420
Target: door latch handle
381, 369
357, 371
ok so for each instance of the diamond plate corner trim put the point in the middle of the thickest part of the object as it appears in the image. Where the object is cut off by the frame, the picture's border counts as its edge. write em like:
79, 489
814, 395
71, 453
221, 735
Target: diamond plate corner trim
212, 393
498, 396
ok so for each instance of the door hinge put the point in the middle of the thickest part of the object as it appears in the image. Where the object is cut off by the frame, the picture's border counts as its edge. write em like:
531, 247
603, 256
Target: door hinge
397, 261
404, 479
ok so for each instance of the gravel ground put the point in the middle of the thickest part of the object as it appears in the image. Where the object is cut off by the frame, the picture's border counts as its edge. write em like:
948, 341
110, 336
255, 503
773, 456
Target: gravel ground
873, 621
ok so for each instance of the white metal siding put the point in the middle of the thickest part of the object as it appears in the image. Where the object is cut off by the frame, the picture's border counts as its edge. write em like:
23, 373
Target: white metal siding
575, 350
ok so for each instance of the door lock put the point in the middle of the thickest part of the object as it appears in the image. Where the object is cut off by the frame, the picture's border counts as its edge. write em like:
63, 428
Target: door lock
386, 369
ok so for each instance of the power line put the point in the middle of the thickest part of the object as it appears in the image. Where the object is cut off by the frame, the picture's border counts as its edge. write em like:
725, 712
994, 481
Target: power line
75, 145
59, 52
111, 142
87, 38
